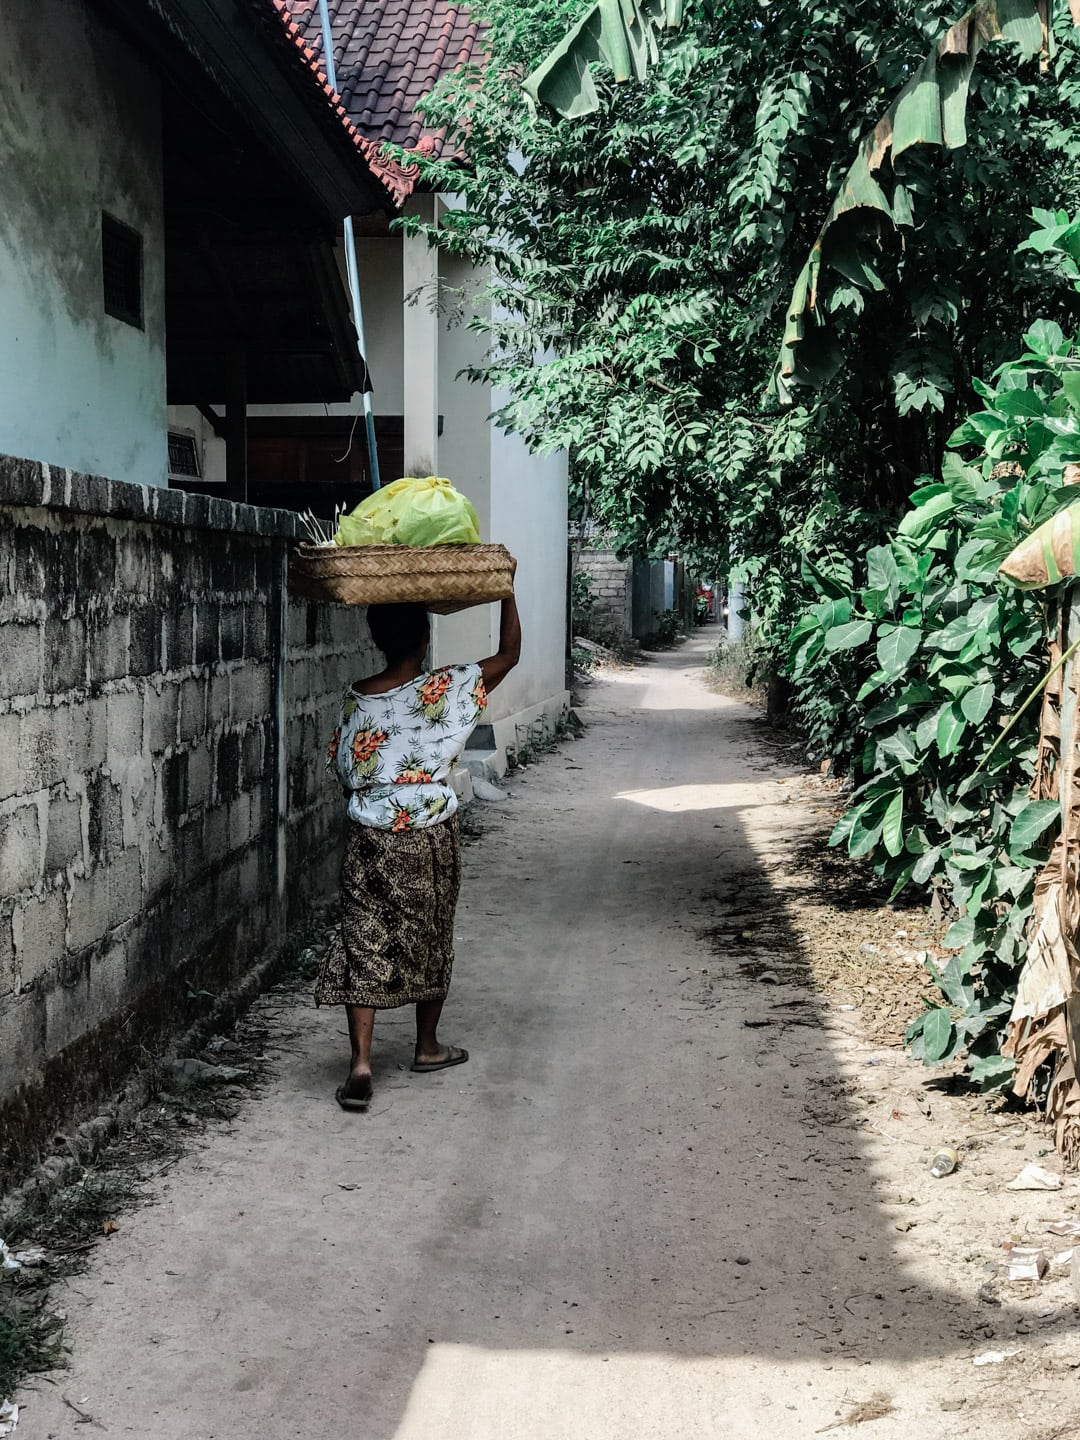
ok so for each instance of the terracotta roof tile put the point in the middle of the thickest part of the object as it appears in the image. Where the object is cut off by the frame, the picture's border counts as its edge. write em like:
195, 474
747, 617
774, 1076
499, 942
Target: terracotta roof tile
389, 54
398, 180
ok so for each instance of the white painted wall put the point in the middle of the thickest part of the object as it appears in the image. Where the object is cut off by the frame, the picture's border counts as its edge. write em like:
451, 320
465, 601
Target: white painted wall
529, 517
522, 503
80, 132
464, 454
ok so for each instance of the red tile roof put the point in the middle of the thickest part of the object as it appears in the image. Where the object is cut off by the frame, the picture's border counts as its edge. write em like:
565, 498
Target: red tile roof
398, 181
388, 55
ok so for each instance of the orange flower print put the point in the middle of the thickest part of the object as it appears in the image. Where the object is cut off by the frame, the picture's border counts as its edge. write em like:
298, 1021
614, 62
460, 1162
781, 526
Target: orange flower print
480, 696
412, 772
402, 821
365, 750
431, 698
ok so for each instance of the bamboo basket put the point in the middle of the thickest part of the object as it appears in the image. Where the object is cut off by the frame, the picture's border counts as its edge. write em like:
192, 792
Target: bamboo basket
445, 578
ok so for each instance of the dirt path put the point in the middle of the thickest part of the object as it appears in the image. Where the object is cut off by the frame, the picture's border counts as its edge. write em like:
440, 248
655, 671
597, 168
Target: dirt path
656, 1203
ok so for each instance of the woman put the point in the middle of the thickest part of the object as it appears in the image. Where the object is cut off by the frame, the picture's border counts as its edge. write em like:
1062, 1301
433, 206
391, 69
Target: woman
398, 739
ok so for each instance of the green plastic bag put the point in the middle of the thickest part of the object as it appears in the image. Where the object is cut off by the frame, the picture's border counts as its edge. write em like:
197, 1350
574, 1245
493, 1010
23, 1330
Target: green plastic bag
426, 511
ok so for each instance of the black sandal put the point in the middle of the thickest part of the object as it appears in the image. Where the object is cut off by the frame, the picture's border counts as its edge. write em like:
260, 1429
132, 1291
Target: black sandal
354, 1094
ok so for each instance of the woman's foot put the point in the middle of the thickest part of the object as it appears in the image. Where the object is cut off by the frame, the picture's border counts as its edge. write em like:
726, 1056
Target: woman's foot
356, 1093
440, 1058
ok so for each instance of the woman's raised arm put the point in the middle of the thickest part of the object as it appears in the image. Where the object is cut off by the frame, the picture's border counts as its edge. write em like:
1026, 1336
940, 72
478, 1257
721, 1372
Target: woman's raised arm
496, 667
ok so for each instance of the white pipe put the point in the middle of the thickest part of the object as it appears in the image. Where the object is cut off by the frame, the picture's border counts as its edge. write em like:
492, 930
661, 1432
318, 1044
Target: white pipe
351, 266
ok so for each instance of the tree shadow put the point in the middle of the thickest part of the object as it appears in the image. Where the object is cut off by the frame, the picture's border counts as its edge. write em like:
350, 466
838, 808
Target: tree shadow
645, 1207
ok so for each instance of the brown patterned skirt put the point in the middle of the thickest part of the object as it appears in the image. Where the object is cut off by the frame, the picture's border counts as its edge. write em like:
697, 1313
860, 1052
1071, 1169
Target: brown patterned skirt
395, 945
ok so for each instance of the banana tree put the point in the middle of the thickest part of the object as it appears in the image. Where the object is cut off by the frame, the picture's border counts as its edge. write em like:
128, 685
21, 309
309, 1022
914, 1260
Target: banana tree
931, 109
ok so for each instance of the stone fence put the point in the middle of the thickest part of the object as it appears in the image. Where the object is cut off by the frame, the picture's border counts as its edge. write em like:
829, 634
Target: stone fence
611, 614
164, 711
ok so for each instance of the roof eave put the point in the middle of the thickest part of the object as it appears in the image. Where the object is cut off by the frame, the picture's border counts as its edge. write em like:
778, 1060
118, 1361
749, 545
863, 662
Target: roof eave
266, 79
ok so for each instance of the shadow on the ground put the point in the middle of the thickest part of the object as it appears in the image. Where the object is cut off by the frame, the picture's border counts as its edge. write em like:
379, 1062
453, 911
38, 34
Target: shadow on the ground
704, 1189
652, 1166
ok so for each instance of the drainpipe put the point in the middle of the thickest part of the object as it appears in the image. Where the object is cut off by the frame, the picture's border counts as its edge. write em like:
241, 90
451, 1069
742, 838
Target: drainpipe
350, 260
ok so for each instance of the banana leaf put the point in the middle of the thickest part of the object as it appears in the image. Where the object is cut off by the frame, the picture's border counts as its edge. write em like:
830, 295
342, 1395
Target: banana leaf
931, 109
620, 34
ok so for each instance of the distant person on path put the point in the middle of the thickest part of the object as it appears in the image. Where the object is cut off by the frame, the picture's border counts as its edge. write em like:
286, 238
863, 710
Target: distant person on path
399, 737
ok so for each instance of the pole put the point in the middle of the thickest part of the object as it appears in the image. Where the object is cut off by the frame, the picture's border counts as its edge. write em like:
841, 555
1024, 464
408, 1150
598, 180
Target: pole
351, 267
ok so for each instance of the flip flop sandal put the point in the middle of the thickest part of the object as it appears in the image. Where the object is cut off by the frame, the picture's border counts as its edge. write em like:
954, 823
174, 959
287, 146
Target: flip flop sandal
454, 1056
351, 1100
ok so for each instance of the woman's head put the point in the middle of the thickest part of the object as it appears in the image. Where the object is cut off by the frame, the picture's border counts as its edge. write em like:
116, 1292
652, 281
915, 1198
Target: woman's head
402, 632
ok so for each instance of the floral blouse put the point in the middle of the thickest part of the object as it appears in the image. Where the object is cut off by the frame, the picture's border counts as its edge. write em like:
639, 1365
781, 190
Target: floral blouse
394, 752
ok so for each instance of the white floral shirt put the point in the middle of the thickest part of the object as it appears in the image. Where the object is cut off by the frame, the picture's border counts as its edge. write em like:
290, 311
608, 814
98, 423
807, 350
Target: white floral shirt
395, 752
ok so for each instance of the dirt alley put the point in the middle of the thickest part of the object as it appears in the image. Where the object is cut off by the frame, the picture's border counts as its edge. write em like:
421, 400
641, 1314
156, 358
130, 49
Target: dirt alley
632, 1214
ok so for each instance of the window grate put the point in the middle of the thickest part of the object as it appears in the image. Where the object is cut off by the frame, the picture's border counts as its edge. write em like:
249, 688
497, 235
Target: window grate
122, 271
183, 456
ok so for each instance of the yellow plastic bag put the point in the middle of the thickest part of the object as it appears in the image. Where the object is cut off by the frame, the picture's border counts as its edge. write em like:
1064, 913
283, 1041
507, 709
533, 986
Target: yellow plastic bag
426, 511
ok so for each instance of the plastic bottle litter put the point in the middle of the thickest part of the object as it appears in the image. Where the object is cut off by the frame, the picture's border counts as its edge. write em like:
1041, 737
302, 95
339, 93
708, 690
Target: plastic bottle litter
944, 1163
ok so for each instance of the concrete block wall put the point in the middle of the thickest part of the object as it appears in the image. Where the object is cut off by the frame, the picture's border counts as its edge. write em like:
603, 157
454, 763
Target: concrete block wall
164, 711
612, 590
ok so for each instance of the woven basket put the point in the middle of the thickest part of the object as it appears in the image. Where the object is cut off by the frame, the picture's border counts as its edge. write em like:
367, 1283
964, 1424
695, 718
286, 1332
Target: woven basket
442, 577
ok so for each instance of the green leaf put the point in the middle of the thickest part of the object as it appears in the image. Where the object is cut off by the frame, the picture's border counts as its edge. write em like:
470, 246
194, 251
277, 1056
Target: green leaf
1045, 339
993, 1072
892, 827
917, 524
895, 649
937, 1034
882, 572
960, 933
977, 703
926, 864
950, 729
846, 637
1032, 822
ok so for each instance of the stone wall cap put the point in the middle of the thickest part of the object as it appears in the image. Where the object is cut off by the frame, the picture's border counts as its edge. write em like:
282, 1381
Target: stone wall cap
34, 484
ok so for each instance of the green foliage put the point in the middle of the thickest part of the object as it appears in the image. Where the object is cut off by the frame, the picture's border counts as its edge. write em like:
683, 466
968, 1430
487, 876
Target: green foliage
935, 652
582, 601
641, 257
31, 1339
669, 627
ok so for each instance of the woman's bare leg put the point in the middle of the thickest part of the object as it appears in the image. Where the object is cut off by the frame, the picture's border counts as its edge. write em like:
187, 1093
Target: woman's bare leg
428, 1049
361, 1028
429, 1053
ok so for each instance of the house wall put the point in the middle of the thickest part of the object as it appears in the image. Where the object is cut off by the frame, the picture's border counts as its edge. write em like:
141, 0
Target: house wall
164, 710
465, 456
529, 516
521, 500
80, 132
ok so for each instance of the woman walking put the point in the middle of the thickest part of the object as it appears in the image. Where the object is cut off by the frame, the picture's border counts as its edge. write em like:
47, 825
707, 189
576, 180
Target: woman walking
399, 737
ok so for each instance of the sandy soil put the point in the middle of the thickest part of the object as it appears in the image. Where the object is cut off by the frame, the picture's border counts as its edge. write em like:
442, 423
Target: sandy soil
678, 1191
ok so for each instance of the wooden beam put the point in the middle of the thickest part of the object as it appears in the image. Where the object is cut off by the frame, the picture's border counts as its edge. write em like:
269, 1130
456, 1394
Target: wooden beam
213, 419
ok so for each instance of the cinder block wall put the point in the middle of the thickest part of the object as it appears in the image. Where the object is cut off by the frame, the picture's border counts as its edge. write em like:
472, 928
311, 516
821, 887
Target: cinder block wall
612, 589
164, 710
